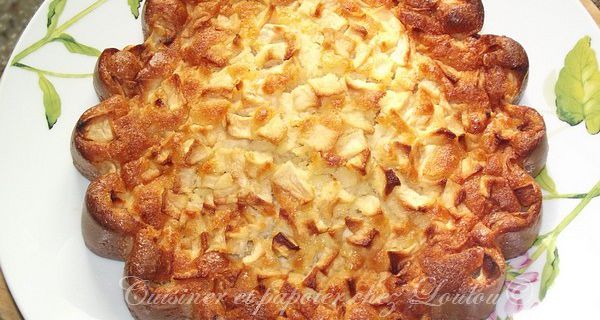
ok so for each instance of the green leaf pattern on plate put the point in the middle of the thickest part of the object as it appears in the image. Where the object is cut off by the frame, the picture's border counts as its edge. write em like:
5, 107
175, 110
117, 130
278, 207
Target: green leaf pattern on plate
55, 9
57, 33
52, 104
546, 182
75, 47
578, 87
550, 272
134, 6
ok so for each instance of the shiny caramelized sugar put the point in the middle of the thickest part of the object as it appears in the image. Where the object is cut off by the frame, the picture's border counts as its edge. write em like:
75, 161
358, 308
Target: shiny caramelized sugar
316, 146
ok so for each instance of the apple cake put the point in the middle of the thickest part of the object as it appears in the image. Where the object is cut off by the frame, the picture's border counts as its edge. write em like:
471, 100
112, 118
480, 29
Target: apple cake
367, 156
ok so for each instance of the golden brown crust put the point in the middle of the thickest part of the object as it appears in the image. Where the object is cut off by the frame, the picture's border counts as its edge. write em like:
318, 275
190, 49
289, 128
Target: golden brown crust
458, 18
514, 244
90, 149
116, 72
499, 61
483, 280
104, 205
167, 192
86, 168
536, 161
164, 19
103, 241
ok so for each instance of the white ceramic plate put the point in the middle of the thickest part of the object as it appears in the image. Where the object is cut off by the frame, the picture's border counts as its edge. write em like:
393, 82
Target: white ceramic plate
53, 276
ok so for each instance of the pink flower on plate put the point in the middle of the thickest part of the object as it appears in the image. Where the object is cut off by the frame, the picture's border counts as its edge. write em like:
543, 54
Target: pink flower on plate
520, 262
493, 316
513, 306
519, 292
521, 283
